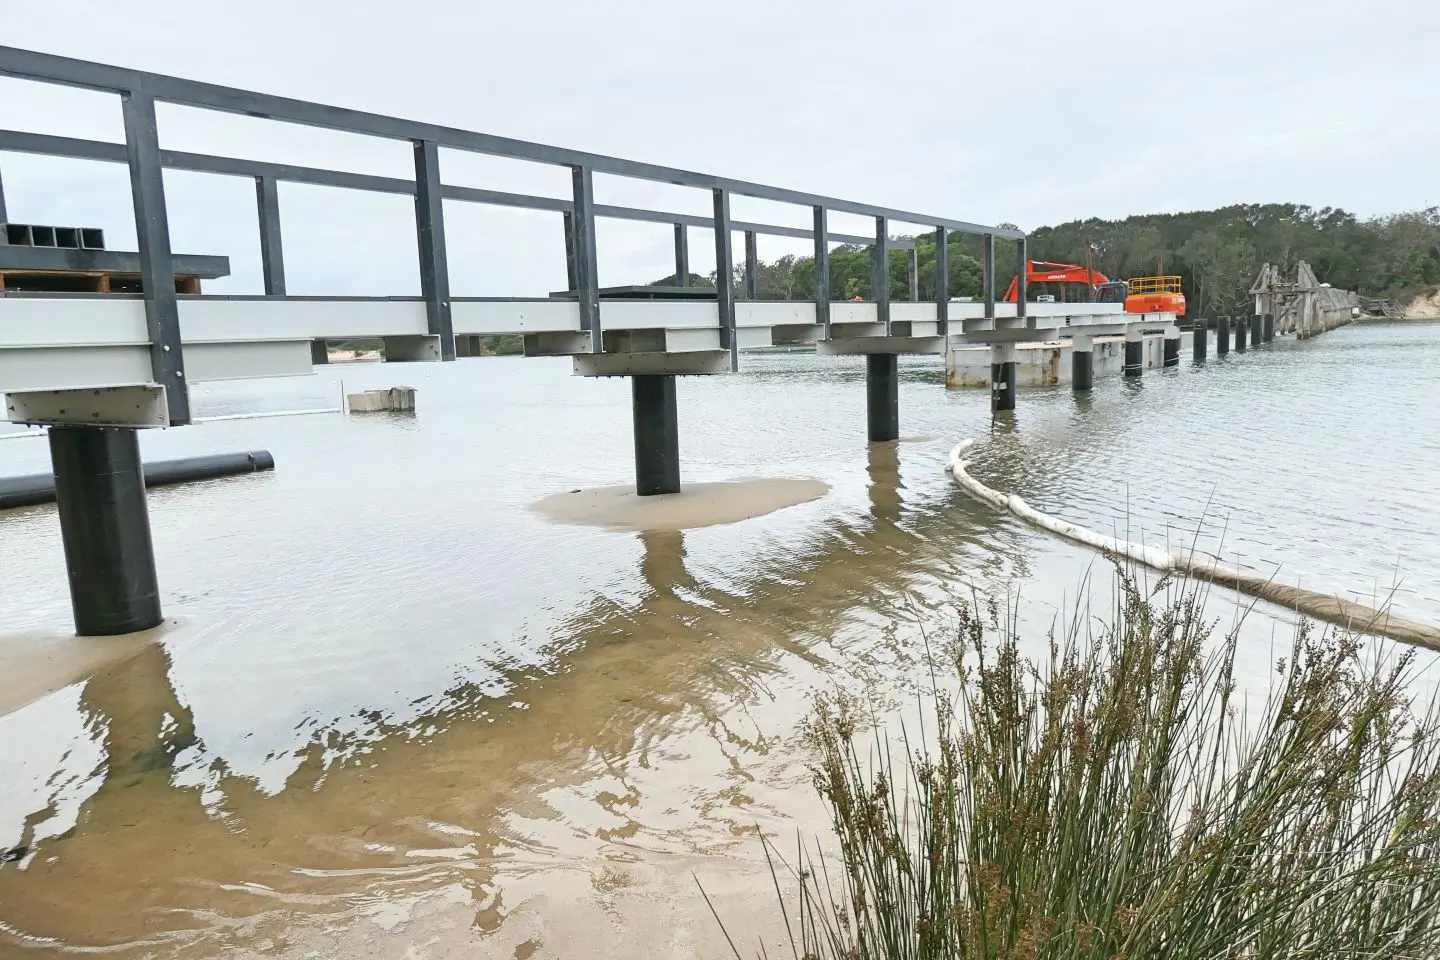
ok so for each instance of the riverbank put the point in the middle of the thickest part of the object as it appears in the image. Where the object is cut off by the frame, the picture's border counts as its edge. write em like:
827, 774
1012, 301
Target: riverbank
1424, 306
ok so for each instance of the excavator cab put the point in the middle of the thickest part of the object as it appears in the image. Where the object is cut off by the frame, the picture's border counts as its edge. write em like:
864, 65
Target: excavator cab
1114, 291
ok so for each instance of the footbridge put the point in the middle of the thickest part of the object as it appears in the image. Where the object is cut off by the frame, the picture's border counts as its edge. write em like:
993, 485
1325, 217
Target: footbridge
96, 364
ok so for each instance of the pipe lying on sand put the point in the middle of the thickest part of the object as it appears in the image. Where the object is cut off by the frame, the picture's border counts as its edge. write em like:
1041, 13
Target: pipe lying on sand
37, 488
1321, 606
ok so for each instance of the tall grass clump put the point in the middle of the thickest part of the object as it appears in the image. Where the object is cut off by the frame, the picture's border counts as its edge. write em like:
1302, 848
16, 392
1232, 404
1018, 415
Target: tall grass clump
1119, 800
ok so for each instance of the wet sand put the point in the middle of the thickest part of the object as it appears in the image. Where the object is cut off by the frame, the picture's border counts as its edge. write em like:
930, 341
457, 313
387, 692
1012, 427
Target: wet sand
33, 665
696, 505
573, 822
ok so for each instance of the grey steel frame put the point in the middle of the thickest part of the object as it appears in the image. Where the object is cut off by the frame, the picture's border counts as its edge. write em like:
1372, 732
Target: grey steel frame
272, 250
140, 91
880, 272
157, 270
682, 255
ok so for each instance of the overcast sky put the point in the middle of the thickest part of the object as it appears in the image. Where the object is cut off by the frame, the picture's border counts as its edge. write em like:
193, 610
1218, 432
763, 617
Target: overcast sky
1031, 113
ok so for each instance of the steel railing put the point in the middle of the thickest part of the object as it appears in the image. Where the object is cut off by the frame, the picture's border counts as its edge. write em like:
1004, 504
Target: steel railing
1166, 284
139, 91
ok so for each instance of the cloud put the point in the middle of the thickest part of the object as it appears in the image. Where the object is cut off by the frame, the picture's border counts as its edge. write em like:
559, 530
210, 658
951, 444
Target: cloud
1029, 113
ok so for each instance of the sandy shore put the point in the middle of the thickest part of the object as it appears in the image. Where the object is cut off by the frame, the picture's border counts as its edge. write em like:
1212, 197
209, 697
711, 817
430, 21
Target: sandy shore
1424, 307
697, 505
34, 665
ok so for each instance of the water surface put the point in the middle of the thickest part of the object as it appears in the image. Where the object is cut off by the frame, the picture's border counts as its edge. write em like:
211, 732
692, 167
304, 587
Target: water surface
397, 710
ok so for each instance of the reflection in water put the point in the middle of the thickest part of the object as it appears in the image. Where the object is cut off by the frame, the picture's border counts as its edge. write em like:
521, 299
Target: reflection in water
145, 724
884, 471
663, 564
1003, 423
132, 708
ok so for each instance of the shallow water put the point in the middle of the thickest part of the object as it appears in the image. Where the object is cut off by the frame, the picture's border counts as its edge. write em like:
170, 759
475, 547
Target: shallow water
398, 710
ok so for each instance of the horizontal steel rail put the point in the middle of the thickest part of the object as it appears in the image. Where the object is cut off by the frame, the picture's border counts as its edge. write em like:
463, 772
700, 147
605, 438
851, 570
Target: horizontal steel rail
49, 68
106, 261
19, 141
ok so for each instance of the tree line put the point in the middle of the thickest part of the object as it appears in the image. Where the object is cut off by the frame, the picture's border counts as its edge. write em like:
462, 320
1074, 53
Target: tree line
851, 271
1216, 253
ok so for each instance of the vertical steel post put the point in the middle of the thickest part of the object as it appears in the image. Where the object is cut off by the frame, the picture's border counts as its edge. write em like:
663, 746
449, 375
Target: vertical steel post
752, 267
1022, 263
157, 273
4, 218
1197, 351
430, 232
724, 271
272, 252
942, 281
587, 281
682, 255
987, 271
822, 272
1222, 336
914, 274
567, 223
880, 272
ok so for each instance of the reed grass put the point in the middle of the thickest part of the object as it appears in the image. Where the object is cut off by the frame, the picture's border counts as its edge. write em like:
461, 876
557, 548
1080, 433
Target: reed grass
1116, 799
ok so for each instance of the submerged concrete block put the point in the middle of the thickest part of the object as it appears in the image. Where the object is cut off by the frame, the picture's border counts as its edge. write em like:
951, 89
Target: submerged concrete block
1048, 364
395, 399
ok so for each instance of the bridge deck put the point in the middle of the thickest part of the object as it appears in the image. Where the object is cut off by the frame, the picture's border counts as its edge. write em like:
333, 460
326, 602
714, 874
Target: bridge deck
57, 342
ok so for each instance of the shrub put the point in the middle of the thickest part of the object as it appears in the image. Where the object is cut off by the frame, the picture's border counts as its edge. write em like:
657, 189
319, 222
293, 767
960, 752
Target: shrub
1120, 801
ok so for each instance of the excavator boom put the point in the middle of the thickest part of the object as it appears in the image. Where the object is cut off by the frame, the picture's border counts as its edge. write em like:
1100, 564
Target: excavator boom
1042, 271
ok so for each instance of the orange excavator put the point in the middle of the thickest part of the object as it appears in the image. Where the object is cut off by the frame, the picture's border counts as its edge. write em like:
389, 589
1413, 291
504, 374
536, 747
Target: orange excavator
1141, 295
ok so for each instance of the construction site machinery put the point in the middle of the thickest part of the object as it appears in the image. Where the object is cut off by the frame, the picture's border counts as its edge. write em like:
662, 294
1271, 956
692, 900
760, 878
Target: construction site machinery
1158, 294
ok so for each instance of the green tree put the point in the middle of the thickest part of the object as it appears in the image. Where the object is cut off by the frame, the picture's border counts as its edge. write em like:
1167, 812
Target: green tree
1223, 269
